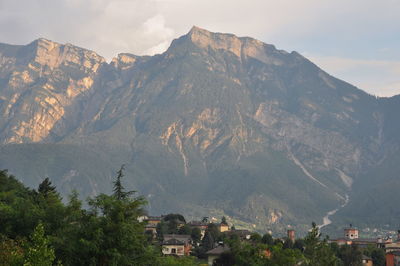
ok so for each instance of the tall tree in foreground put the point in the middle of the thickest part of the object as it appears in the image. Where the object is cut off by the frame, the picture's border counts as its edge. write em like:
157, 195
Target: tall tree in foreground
119, 190
121, 239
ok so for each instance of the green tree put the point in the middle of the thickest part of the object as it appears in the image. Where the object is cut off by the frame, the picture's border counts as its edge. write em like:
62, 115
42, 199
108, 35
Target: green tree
223, 220
377, 255
119, 190
121, 237
267, 239
174, 217
174, 223
39, 252
281, 256
11, 252
317, 251
299, 244
211, 236
245, 253
256, 238
288, 243
350, 255
208, 241
162, 229
196, 235
185, 230
68, 239
52, 210
19, 212
175, 261
46, 188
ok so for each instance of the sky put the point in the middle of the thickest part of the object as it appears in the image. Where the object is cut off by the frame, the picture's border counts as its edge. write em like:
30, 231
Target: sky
355, 40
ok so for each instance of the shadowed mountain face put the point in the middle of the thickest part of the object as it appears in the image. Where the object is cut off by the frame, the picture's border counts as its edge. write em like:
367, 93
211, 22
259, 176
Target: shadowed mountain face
217, 125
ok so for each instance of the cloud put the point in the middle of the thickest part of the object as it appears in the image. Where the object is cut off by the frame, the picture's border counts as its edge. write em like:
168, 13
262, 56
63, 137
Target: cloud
155, 26
107, 27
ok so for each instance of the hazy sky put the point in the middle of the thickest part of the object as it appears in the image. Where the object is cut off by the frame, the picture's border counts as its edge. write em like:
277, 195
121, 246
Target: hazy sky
355, 40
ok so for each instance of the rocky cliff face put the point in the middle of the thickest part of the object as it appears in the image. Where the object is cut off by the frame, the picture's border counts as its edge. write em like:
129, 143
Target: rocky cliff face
217, 124
40, 82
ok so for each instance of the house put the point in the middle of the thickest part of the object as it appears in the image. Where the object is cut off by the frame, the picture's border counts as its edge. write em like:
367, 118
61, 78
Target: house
351, 233
362, 242
154, 220
351, 237
291, 235
366, 261
393, 253
200, 225
151, 228
223, 227
393, 258
151, 224
178, 245
215, 253
173, 247
394, 246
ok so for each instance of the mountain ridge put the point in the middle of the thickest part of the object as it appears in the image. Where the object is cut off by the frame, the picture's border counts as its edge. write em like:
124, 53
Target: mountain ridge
217, 123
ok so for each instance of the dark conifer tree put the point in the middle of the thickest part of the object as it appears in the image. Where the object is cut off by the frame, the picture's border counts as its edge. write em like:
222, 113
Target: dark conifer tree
46, 188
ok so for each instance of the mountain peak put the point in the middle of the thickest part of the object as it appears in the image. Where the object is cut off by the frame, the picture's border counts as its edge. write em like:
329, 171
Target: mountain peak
242, 47
197, 30
44, 41
52, 54
204, 39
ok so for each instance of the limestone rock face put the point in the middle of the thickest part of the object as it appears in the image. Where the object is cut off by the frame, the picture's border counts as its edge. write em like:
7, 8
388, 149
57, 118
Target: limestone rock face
218, 124
39, 82
241, 47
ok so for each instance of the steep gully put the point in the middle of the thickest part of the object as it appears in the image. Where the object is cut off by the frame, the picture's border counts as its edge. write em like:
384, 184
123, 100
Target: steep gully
326, 220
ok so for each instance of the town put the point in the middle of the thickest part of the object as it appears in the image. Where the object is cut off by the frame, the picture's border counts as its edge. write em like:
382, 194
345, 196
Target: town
204, 239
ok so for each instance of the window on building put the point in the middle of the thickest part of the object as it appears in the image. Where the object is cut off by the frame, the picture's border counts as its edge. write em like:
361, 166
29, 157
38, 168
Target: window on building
173, 250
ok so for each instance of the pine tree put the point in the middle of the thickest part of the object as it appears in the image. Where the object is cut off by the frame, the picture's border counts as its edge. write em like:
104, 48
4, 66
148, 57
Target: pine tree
46, 188
317, 251
119, 190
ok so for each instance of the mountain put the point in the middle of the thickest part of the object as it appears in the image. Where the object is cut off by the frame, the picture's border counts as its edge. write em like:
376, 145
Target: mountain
216, 125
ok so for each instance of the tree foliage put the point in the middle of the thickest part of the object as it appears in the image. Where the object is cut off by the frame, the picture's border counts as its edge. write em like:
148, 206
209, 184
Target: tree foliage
317, 251
37, 228
39, 252
108, 233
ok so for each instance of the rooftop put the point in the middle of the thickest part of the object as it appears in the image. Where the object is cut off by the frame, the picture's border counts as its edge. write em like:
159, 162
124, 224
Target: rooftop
173, 241
183, 238
218, 250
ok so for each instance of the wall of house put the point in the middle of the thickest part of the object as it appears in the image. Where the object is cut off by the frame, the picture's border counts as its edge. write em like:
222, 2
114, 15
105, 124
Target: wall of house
223, 228
211, 259
367, 263
168, 250
351, 233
